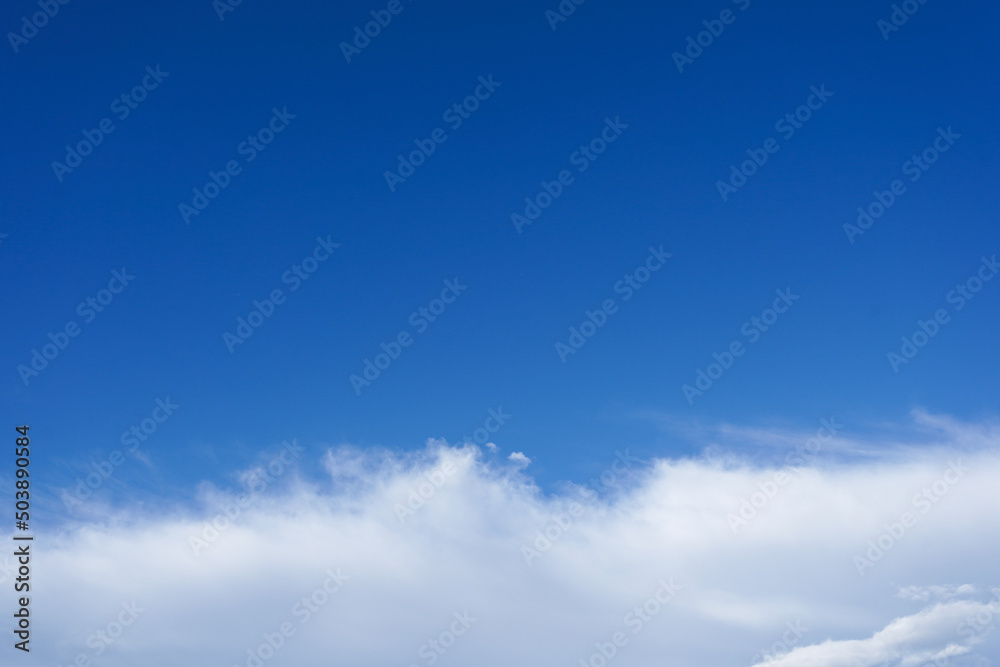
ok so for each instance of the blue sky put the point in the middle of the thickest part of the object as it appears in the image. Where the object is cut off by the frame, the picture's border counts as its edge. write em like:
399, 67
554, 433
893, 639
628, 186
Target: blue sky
229, 153
655, 185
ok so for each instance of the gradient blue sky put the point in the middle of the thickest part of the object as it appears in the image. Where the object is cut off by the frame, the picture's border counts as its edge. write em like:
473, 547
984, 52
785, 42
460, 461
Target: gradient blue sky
323, 175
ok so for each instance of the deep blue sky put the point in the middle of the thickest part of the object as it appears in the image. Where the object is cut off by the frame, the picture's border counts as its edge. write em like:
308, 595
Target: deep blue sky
656, 185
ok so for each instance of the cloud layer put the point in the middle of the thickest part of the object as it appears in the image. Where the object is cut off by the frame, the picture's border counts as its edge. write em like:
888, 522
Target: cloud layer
454, 556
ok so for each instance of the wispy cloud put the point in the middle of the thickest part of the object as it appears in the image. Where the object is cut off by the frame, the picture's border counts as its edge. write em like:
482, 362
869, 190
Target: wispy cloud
928, 635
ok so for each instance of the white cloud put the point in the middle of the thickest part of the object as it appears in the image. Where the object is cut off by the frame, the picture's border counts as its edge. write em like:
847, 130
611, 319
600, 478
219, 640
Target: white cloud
519, 459
601, 560
930, 634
